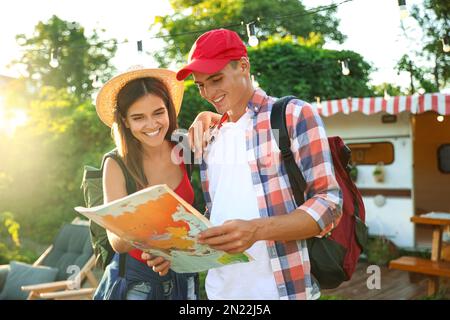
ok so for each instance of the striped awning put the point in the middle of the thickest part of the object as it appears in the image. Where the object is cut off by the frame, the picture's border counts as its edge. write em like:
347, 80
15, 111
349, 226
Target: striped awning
437, 102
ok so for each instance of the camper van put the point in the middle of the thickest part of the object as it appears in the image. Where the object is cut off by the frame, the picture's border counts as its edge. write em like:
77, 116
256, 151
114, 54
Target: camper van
401, 152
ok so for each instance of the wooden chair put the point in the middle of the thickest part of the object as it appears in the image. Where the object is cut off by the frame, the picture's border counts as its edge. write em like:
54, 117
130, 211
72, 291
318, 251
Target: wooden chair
70, 252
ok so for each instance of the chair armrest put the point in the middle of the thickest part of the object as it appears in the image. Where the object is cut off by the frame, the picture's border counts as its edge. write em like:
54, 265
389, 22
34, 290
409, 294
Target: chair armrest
49, 286
4, 270
68, 294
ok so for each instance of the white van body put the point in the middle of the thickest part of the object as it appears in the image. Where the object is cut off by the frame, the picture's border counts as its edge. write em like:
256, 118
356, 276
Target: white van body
414, 182
392, 219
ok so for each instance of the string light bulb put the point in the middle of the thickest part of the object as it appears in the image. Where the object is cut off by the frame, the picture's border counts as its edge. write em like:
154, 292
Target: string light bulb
440, 118
140, 59
54, 63
318, 103
403, 9
445, 45
96, 83
252, 39
139, 46
254, 82
345, 69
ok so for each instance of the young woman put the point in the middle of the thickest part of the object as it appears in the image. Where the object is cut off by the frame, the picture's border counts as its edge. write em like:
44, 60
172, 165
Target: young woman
141, 107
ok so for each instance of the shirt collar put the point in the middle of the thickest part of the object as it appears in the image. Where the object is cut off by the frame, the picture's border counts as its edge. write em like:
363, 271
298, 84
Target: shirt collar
257, 101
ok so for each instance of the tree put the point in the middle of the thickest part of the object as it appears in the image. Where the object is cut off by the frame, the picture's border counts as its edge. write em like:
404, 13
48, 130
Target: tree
283, 67
41, 172
77, 59
433, 18
389, 88
194, 15
45, 161
419, 76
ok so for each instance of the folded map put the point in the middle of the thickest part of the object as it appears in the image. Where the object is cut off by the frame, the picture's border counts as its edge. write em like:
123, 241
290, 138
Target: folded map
158, 221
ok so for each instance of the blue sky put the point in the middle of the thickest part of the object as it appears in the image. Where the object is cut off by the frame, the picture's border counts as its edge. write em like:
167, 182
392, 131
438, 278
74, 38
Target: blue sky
372, 28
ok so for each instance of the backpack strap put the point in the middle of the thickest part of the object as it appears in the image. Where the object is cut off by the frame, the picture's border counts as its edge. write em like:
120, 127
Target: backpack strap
278, 122
130, 184
190, 166
179, 136
296, 179
131, 188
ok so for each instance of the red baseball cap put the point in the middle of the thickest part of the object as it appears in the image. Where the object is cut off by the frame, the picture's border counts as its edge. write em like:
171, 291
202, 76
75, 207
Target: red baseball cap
212, 51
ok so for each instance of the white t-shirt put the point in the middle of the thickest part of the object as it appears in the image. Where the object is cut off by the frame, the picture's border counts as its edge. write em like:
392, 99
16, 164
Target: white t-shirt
233, 197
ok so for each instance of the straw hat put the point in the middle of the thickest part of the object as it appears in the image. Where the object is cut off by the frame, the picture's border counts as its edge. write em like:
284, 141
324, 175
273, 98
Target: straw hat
106, 102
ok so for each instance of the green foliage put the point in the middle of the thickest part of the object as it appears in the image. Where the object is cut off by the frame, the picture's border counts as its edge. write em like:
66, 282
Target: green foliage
207, 14
10, 247
45, 160
442, 294
354, 173
432, 17
202, 292
80, 58
332, 297
283, 67
418, 75
8, 254
9, 227
424, 254
40, 175
391, 89
380, 251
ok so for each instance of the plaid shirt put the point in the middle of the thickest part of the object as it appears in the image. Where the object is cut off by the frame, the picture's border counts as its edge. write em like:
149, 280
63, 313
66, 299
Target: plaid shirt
309, 144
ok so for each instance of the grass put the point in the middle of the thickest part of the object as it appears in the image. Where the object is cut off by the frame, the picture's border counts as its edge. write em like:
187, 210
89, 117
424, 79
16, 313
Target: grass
380, 251
442, 294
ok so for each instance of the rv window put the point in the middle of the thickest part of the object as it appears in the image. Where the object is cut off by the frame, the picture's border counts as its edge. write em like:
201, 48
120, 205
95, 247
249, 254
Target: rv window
444, 158
372, 153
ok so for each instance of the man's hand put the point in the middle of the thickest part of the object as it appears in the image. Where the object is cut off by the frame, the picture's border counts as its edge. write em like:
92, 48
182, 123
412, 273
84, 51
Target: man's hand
158, 264
199, 131
233, 236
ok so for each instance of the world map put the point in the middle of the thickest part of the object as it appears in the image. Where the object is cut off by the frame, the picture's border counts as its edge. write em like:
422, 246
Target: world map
158, 221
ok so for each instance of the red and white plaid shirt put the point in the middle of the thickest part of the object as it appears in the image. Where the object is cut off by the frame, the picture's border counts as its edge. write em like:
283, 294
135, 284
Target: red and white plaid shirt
309, 144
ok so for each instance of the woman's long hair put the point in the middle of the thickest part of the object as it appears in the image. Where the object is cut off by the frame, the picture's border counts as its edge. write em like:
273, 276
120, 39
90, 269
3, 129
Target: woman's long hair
130, 149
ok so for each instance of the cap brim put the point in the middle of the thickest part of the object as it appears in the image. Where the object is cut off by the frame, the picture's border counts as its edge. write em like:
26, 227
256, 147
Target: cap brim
202, 65
106, 101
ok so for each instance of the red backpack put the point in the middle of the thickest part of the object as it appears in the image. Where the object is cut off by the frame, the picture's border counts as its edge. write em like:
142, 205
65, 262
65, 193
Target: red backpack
334, 257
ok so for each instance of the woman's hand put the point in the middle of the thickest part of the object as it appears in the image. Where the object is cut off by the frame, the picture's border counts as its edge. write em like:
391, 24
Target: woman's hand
158, 264
199, 131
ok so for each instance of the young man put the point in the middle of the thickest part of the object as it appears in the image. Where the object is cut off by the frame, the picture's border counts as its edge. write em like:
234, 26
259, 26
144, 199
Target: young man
245, 185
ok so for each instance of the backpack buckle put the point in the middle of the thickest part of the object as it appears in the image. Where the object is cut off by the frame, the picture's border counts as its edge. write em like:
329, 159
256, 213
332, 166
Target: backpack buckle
287, 154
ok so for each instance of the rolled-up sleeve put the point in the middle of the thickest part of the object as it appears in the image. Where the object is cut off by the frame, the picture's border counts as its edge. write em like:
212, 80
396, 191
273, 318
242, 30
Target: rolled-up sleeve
312, 154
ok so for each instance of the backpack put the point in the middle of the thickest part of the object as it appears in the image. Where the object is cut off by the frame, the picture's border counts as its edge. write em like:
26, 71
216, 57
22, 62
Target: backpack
334, 257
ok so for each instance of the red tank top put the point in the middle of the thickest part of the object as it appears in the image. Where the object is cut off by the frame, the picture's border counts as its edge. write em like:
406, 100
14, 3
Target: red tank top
185, 191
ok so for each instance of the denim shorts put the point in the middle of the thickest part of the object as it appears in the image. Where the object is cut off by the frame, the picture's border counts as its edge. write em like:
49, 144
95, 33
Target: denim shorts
141, 283
143, 290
